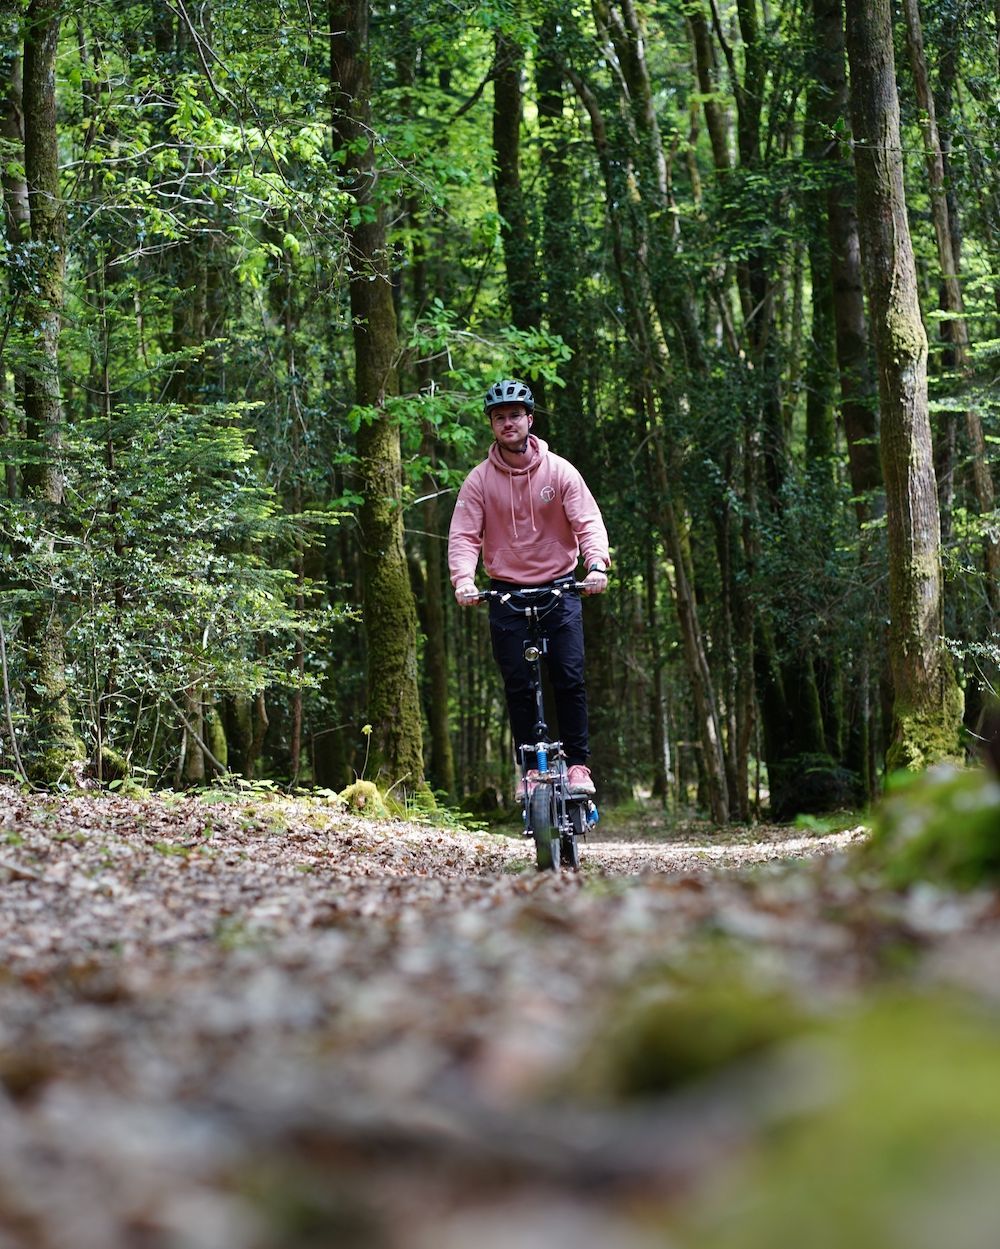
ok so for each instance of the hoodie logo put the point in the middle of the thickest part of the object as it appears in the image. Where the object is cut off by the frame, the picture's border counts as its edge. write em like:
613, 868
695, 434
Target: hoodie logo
547, 494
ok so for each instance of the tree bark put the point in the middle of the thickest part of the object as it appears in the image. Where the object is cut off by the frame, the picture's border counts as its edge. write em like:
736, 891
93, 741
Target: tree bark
820, 370
17, 216
858, 404
523, 286
562, 241
389, 610
47, 690
955, 328
659, 747
927, 703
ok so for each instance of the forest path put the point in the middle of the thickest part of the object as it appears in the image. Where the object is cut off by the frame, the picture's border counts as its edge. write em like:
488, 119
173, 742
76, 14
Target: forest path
265, 1023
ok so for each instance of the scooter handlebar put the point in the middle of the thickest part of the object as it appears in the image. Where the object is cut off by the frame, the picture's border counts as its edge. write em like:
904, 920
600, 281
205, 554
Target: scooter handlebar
532, 591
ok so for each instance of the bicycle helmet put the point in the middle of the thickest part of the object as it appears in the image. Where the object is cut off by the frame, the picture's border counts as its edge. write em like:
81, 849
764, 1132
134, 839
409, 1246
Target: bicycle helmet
508, 391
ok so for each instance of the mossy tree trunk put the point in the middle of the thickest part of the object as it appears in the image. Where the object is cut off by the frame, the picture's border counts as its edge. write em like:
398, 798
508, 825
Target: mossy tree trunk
46, 689
927, 703
389, 609
955, 329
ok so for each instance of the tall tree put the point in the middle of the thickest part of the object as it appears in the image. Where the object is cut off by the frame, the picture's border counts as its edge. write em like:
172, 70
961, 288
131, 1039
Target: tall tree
17, 215
956, 328
858, 405
927, 703
389, 609
523, 285
623, 197
47, 688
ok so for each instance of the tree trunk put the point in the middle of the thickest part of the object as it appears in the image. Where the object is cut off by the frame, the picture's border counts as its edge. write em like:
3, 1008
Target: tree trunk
441, 763
650, 340
47, 690
562, 240
523, 287
857, 386
659, 746
389, 610
821, 366
927, 703
17, 215
955, 328
433, 601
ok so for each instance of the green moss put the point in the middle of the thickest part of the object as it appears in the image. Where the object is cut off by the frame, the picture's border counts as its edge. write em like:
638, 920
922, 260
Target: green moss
60, 764
922, 738
941, 826
896, 1144
364, 798
113, 766
215, 736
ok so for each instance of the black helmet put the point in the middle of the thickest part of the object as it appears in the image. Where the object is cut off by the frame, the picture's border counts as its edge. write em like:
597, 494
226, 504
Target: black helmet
508, 391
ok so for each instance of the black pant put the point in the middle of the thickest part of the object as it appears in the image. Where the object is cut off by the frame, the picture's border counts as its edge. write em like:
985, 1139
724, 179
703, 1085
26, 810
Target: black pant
562, 624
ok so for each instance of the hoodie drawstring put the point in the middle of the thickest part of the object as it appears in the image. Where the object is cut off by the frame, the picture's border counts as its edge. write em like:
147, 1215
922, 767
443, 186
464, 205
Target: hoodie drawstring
531, 501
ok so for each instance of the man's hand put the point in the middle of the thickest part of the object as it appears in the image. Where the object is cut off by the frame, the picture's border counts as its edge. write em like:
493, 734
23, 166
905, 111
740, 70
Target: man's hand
595, 582
466, 594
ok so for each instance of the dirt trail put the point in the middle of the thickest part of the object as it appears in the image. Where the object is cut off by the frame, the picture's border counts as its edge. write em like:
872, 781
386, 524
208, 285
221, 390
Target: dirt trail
261, 1024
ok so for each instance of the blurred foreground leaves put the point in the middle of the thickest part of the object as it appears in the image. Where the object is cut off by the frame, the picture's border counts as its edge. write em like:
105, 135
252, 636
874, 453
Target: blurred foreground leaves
941, 825
904, 1154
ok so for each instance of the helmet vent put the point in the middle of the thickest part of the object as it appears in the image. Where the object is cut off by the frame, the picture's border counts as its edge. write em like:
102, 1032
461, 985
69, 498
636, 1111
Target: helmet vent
509, 391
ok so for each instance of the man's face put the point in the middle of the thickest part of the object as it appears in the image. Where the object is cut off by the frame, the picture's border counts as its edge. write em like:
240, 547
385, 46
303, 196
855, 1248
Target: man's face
511, 423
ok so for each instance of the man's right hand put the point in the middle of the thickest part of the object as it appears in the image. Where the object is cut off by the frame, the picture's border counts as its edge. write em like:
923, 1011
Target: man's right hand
466, 594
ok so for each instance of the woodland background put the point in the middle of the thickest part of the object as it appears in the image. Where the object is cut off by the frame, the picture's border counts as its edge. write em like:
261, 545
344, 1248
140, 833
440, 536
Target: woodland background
260, 263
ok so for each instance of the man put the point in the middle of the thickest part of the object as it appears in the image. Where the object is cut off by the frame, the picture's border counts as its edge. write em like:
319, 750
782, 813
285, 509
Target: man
532, 516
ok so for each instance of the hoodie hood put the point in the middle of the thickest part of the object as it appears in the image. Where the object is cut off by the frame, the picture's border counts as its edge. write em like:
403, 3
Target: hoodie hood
536, 450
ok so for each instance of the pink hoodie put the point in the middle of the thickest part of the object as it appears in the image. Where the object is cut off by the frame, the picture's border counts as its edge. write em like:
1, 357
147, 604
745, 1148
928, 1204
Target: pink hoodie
532, 523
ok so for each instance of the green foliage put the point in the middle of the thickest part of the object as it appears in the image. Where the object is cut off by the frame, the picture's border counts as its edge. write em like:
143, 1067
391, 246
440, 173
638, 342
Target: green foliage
158, 562
940, 826
208, 269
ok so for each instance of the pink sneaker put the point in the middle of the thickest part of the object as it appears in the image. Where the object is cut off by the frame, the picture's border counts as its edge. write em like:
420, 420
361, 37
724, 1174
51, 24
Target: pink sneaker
579, 780
524, 788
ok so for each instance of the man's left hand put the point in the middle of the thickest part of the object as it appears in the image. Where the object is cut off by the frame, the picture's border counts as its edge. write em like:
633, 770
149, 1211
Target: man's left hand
595, 582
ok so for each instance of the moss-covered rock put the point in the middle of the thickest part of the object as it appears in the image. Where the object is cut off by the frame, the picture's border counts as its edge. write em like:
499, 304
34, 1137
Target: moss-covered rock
942, 825
62, 763
108, 765
364, 798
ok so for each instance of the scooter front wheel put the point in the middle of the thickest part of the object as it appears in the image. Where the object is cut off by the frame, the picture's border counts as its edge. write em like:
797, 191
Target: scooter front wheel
541, 811
570, 852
